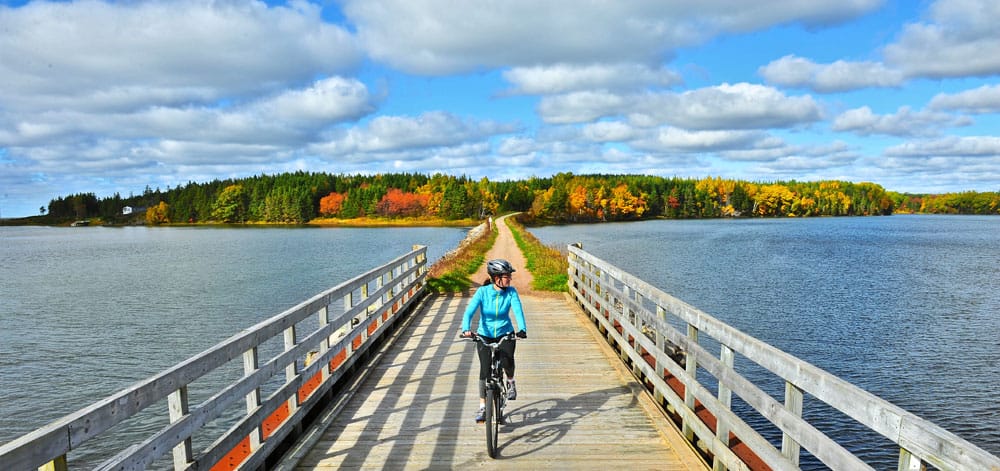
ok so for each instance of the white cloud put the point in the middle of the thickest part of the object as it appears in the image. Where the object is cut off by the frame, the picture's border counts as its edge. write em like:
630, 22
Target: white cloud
563, 78
985, 99
946, 164
793, 71
959, 42
951, 146
287, 118
905, 122
670, 139
582, 107
92, 55
441, 36
395, 133
608, 131
737, 106
329, 100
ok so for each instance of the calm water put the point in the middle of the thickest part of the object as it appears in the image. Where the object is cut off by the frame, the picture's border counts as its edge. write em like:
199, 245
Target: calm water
906, 307
86, 312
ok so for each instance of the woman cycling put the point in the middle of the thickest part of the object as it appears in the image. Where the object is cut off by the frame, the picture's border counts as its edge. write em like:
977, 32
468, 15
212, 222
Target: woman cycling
494, 300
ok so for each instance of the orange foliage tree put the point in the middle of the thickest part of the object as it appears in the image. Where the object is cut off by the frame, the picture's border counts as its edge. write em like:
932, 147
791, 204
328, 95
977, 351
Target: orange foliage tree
330, 204
397, 203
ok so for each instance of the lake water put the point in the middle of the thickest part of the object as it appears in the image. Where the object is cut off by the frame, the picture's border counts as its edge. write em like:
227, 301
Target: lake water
906, 307
86, 312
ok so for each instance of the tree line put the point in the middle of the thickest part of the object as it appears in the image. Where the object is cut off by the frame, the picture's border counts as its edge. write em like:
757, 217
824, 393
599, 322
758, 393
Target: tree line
301, 197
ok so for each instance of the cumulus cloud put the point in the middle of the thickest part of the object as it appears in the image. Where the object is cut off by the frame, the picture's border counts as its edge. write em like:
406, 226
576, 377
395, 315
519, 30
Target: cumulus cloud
942, 164
609, 131
395, 133
951, 146
564, 78
583, 107
737, 106
286, 118
953, 43
440, 36
794, 71
100, 56
985, 99
670, 139
958, 41
905, 122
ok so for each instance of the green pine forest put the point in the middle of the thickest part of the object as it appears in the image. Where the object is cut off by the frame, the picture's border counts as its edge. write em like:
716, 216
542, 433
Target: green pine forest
318, 198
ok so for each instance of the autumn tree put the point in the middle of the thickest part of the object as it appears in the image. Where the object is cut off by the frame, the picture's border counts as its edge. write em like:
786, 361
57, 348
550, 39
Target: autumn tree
230, 206
157, 214
330, 204
397, 203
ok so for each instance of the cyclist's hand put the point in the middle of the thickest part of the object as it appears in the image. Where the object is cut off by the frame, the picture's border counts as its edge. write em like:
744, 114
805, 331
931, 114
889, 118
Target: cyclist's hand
466, 334
522, 334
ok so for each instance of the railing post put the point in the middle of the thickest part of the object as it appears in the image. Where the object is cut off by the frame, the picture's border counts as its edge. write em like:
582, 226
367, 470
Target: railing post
348, 305
58, 464
726, 357
908, 462
253, 397
177, 404
291, 369
661, 347
324, 345
691, 366
793, 403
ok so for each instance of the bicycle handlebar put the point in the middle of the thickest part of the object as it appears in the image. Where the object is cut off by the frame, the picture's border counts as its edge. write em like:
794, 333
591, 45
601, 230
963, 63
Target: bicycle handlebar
474, 337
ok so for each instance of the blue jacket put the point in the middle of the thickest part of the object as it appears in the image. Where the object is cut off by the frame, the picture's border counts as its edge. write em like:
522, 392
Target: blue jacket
494, 307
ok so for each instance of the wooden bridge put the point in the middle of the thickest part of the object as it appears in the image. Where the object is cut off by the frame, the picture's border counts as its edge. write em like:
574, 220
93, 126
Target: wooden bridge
575, 409
369, 374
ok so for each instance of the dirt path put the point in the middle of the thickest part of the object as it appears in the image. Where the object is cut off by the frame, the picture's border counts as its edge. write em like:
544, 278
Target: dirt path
506, 248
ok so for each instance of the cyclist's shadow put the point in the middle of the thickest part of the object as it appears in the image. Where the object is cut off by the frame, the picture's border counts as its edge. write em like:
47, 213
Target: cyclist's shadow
543, 423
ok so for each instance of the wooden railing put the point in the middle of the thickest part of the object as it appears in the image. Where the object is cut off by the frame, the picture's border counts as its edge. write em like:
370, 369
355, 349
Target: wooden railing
314, 353
638, 319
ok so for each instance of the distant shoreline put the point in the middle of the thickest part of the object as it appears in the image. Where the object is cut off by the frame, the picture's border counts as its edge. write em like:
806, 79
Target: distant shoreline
319, 222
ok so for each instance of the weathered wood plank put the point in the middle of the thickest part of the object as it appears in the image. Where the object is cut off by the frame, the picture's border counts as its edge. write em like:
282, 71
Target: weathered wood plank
575, 409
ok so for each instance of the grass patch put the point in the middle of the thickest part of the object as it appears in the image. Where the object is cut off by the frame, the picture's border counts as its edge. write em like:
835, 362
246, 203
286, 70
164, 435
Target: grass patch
547, 264
451, 273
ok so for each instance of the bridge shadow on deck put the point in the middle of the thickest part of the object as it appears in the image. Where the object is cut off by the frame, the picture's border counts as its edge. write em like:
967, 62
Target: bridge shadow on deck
415, 410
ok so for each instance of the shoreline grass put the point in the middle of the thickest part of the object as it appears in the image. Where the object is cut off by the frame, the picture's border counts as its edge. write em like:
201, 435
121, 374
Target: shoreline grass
451, 273
547, 264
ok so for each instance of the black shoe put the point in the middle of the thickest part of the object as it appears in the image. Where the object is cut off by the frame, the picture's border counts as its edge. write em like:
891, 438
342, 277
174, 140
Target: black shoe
481, 415
511, 391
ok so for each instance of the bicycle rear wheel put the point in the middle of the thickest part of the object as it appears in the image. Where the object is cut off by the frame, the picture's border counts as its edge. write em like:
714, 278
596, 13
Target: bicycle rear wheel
492, 421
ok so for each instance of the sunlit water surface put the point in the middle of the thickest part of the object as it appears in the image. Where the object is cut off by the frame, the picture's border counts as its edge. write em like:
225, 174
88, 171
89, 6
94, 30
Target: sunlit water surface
906, 307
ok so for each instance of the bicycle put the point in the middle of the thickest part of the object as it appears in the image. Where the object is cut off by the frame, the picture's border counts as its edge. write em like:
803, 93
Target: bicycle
496, 392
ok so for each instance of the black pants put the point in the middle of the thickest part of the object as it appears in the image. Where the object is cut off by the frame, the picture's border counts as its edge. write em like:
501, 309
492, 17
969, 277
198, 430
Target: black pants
506, 352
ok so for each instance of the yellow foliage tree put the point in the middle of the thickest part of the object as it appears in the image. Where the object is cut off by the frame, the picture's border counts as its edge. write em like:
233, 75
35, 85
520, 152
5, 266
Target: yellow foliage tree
774, 200
624, 204
158, 214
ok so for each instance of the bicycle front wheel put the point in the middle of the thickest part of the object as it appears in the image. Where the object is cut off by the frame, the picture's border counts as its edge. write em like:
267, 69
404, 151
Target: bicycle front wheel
492, 421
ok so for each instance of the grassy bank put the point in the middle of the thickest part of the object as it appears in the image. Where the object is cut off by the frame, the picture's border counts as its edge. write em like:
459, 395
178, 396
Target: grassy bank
547, 264
393, 222
451, 273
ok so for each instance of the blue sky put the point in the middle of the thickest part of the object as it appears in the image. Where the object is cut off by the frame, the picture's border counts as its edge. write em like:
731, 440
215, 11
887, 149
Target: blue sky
109, 97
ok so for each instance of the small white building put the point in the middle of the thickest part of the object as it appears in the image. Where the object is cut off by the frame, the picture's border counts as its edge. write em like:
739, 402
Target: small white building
127, 210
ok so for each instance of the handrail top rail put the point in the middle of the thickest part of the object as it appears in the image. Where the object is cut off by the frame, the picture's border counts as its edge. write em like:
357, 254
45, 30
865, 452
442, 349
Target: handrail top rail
55, 436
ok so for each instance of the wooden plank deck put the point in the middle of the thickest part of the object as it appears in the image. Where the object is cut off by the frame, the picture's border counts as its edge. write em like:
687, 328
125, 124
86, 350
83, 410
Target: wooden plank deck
577, 408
